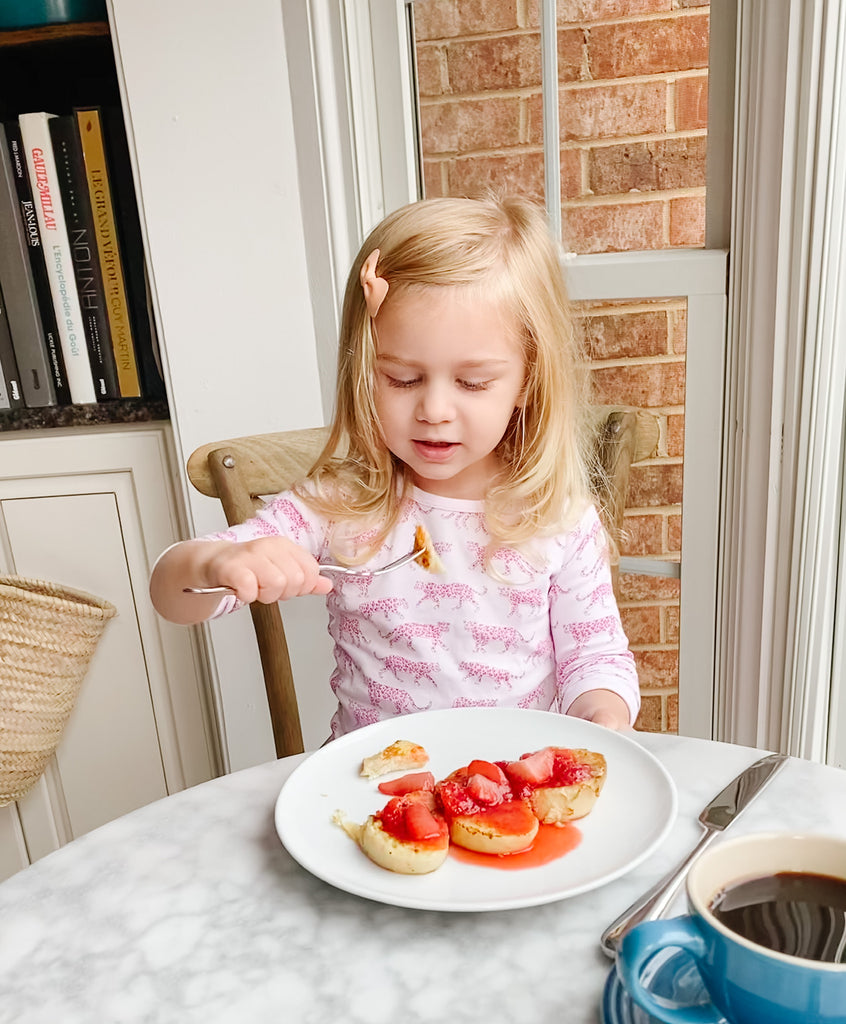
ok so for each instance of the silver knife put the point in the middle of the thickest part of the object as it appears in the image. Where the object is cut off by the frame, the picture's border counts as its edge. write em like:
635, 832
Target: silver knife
716, 817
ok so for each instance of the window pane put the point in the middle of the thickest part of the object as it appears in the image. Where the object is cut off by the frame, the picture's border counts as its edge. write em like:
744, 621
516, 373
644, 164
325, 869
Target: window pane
636, 354
633, 90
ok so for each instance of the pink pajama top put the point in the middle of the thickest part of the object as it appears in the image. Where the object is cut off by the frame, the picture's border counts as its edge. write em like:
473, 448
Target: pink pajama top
525, 634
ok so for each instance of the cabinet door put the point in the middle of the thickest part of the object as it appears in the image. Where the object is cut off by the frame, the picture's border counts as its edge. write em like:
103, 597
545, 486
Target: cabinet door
139, 729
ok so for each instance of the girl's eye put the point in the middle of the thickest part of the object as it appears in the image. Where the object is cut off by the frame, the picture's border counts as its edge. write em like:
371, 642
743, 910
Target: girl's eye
396, 382
475, 385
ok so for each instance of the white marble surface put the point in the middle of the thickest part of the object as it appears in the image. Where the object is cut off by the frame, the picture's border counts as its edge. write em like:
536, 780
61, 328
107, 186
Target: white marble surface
191, 910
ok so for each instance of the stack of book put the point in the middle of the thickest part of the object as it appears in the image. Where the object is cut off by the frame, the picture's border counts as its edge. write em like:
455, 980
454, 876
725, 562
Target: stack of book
75, 325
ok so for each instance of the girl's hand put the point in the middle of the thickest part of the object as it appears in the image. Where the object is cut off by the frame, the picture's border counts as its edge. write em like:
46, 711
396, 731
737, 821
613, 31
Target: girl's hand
267, 569
603, 707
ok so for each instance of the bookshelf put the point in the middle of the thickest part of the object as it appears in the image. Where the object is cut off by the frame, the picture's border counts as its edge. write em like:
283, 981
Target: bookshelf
57, 68
89, 496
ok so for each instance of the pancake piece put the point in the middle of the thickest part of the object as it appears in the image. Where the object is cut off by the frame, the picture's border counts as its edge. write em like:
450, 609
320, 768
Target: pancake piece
560, 784
407, 836
429, 558
482, 813
399, 756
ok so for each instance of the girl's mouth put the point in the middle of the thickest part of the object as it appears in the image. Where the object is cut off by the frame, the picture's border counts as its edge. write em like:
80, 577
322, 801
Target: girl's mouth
434, 451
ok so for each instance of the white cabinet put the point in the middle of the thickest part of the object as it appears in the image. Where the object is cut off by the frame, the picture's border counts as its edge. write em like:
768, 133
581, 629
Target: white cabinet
93, 508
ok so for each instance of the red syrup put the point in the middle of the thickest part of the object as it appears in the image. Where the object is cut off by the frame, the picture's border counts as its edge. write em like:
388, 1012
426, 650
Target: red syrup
551, 842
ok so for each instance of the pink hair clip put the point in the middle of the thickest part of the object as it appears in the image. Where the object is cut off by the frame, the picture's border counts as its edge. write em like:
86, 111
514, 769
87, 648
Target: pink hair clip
375, 288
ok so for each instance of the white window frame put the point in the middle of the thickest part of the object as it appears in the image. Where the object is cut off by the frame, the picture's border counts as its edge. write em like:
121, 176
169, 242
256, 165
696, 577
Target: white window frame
783, 628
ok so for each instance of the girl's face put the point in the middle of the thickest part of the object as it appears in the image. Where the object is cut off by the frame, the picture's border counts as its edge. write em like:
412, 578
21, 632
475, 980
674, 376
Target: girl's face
449, 374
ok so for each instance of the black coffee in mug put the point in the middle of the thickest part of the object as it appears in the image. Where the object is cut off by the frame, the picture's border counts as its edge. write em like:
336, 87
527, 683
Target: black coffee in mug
802, 915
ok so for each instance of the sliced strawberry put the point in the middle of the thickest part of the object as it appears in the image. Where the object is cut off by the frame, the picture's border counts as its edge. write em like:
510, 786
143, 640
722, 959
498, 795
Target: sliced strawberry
420, 823
486, 792
488, 769
408, 783
532, 769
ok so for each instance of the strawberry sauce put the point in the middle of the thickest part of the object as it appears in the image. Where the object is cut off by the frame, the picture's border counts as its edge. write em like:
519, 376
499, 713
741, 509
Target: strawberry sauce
551, 842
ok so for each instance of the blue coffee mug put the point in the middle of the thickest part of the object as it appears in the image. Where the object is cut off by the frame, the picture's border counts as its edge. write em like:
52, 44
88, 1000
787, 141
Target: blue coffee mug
747, 983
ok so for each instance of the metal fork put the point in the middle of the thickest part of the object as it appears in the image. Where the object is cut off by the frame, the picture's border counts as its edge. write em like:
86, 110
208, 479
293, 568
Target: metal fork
343, 570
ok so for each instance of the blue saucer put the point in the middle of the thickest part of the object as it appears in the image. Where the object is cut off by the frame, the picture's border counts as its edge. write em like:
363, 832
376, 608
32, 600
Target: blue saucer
669, 975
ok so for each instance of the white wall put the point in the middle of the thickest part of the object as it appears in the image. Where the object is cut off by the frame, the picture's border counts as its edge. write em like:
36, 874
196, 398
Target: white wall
207, 99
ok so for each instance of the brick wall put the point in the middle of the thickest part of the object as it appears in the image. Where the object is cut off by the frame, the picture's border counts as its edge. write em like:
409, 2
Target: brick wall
633, 115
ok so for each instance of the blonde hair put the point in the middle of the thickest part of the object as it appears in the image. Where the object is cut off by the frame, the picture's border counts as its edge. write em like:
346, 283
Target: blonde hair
501, 250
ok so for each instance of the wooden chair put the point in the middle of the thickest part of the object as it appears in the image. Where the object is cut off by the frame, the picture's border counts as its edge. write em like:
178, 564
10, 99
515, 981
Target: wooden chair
240, 471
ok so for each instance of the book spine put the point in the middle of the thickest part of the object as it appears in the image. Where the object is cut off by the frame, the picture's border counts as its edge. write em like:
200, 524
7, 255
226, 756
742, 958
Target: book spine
29, 221
57, 254
86, 263
21, 303
11, 396
108, 247
132, 251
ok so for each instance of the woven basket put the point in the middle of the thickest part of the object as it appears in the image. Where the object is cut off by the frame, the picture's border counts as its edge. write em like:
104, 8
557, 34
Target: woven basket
48, 633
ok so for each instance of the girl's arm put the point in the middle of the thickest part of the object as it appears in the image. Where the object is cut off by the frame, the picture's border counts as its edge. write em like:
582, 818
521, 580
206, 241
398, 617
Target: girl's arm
266, 569
595, 670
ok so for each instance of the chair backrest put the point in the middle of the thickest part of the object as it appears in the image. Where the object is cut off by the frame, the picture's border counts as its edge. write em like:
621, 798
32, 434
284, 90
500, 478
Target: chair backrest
241, 471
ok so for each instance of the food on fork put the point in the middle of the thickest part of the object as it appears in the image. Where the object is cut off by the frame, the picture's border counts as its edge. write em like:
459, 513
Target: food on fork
408, 836
401, 755
429, 558
482, 811
560, 784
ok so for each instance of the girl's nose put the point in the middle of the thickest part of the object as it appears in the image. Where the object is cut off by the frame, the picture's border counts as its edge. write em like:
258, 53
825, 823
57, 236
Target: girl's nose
435, 404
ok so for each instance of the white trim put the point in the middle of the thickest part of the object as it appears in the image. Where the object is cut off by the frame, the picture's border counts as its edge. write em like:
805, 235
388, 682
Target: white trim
785, 412
551, 130
814, 620
699, 276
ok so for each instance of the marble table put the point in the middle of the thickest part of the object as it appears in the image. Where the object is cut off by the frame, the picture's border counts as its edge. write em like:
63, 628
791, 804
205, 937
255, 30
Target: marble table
191, 910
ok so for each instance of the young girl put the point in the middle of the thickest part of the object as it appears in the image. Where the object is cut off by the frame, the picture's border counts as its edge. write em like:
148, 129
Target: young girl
459, 408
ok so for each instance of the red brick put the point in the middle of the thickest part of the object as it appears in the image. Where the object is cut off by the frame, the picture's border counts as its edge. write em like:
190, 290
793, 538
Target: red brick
466, 125
674, 533
634, 587
655, 484
624, 335
572, 54
642, 625
642, 535
671, 624
626, 49
442, 19
672, 712
678, 331
505, 62
433, 179
657, 669
687, 221
651, 717
692, 103
612, 110
571, 174
647, 166
675, 435
646, 385
614, 227
518, 172
431, 71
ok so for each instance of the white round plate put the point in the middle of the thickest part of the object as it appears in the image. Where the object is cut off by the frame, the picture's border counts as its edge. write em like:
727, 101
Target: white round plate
634, 812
